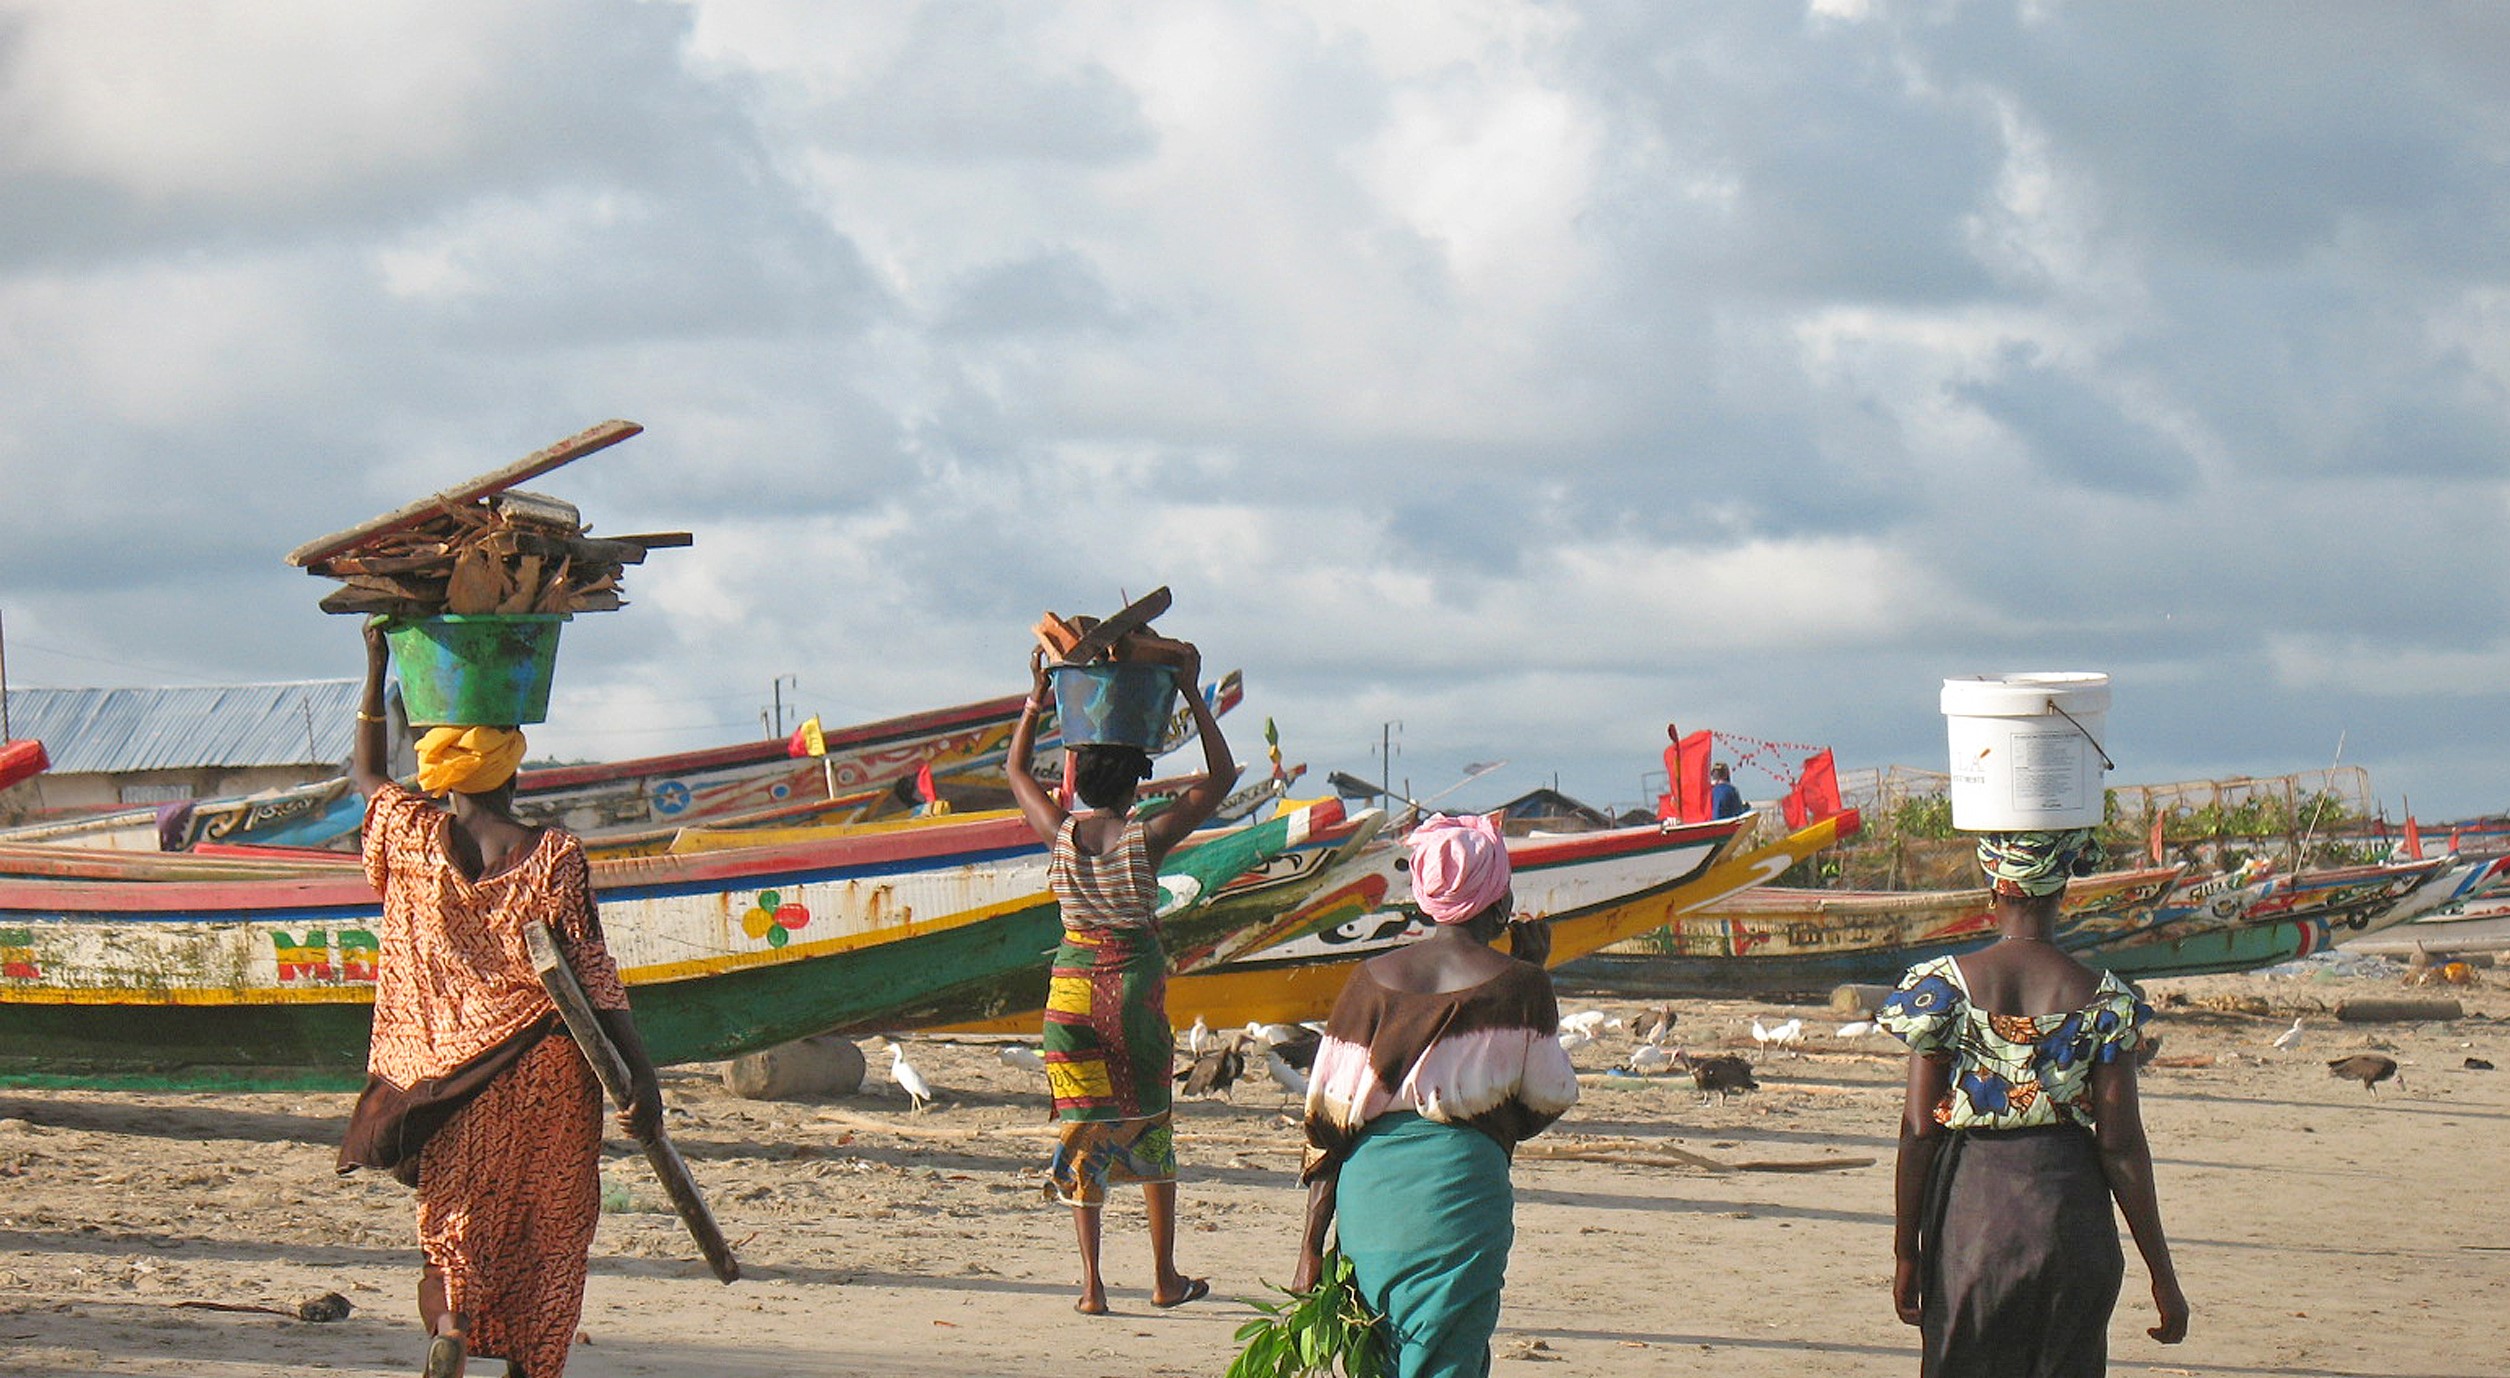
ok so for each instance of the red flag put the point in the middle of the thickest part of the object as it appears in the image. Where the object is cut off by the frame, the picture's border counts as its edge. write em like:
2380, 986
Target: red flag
1687, 763
2413, 839
2157, 845
1819, 784
1793, 806
924, 783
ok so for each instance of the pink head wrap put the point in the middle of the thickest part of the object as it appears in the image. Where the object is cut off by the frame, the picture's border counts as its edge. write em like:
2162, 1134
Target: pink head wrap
1459, 866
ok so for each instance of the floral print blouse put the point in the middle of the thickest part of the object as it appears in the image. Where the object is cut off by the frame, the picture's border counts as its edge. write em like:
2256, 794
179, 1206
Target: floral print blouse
2012, 1071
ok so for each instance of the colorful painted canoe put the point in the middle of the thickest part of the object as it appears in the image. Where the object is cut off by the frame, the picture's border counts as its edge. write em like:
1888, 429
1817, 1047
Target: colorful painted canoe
1592, 889
759, 783
268, 981
2194, 928
1772, 942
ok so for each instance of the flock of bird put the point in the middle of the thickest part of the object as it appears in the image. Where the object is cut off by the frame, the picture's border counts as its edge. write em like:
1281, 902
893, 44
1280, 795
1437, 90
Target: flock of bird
1286, 1053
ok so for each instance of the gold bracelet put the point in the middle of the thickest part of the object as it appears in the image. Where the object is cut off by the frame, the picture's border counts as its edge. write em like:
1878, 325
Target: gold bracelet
371, 717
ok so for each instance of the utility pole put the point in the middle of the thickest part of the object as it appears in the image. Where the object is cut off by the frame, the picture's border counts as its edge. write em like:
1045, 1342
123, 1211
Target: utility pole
775, 687
1385, 761
4, 682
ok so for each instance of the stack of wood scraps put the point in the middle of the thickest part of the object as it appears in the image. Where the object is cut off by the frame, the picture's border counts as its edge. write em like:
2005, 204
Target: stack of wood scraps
1124, 636
484, 546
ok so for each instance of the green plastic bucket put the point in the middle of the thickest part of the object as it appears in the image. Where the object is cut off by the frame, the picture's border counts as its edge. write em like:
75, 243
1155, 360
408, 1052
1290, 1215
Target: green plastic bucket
1115, 703
483, 670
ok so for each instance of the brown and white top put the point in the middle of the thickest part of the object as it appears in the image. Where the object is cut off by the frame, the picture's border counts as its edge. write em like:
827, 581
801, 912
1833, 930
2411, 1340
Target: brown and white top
1487, 1057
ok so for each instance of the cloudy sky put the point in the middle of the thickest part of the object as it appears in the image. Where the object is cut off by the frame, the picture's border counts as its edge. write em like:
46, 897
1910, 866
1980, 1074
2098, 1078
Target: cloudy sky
1529, 374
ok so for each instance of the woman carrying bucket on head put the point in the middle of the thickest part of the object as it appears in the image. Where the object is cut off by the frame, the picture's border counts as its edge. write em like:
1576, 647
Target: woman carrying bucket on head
469, 1097
2021, 1124
1107, 1040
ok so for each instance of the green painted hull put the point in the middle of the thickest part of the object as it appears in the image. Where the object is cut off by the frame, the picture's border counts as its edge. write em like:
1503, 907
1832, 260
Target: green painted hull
941, 976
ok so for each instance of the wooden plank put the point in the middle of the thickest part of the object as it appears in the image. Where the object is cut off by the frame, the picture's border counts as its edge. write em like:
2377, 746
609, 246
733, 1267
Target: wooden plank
612, 1069
461, 495
1103, 637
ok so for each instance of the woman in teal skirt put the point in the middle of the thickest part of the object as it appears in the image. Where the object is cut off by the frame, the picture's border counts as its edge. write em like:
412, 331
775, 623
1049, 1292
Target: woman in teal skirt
1439, 1058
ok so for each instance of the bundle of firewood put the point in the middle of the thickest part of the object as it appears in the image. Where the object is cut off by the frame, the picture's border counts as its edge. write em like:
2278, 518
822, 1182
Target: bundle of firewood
484, 546
513, 552
1123, 636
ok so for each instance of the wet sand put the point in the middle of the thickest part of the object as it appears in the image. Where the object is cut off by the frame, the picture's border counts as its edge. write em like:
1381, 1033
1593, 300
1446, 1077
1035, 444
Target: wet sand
2321, 1232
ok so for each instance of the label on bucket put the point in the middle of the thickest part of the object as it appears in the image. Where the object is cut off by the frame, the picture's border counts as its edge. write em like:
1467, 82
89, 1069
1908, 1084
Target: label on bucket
2047, 768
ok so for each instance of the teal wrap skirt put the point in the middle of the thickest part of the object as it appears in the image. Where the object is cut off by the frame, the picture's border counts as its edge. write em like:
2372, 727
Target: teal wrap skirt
1426, 1215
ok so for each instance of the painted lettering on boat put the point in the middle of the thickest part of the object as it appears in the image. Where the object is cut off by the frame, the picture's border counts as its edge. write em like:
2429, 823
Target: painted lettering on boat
17, 954
310, 956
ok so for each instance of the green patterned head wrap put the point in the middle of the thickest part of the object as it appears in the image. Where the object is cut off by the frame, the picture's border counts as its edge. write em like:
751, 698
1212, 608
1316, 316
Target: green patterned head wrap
2038, 863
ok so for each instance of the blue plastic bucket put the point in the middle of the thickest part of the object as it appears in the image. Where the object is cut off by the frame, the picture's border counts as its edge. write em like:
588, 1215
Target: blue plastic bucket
1115, 703
482, 670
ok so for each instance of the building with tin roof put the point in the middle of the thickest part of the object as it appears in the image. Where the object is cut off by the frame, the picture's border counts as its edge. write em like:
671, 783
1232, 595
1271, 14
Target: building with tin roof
123, 747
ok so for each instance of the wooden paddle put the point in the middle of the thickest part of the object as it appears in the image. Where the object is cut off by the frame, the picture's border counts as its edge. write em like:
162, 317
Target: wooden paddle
612, 1069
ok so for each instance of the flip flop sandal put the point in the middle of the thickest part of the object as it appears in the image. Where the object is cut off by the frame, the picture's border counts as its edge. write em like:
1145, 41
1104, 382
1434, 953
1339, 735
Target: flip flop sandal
1195, 1290
445, 1354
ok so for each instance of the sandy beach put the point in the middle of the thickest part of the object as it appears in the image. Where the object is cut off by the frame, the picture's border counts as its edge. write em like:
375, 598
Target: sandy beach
2321, 1232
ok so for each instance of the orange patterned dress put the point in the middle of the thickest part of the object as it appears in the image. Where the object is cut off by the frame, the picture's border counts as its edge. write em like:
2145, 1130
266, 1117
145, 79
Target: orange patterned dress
497, 1122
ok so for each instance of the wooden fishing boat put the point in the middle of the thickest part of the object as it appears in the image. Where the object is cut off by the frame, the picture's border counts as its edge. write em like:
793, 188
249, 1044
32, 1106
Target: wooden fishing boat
1591, 889
2140, 924
267, 981
1772, 941
752, 783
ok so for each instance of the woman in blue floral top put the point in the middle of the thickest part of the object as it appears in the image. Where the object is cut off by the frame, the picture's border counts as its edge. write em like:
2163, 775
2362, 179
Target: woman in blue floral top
2021, 1126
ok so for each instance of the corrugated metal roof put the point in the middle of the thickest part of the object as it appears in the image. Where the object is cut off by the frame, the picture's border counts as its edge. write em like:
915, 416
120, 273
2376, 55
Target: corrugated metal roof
109, 731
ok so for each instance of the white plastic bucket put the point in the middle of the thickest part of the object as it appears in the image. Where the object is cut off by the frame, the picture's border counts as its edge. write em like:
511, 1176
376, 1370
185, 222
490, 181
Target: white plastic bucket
2026, 750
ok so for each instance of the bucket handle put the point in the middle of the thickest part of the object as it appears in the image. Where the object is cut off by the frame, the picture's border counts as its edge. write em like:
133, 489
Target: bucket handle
2105, 762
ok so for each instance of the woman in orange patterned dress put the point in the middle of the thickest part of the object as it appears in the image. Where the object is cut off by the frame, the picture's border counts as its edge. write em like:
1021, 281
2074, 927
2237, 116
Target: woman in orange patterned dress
474, 1094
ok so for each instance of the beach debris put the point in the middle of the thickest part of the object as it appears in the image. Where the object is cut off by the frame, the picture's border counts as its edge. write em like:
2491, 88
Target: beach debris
327, 1306
2476, 1064
2370, 1069
2399, 1010
1218, 1069
484, 546
1721, 1074
1654, 1024
919, 1092
2290, 1038
824, 1065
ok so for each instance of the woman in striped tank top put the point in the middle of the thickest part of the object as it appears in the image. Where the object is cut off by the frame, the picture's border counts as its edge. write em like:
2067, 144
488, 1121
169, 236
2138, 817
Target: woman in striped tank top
1107, 1039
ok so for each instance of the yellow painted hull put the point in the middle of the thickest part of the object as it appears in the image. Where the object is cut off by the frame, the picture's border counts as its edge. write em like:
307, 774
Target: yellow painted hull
1295, 992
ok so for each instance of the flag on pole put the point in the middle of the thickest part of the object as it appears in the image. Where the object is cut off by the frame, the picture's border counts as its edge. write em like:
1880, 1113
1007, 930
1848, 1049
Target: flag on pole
807, 740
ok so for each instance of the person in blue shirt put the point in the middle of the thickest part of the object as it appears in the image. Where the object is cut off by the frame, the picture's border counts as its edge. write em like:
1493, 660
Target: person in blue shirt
1724, 800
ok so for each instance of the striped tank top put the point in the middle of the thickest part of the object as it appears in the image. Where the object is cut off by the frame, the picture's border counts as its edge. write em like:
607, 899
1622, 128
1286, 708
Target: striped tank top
1119, 889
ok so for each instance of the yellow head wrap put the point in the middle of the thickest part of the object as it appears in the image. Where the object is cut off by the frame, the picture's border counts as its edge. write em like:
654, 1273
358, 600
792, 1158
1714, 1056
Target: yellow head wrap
473, 760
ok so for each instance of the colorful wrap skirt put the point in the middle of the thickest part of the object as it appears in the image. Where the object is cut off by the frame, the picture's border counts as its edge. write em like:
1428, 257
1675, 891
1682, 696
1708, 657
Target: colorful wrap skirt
1108, 1050
2021, 1260
1425, 1213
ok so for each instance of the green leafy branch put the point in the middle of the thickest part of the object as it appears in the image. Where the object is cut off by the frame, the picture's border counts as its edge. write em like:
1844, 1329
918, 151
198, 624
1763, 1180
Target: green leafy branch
1316, 1333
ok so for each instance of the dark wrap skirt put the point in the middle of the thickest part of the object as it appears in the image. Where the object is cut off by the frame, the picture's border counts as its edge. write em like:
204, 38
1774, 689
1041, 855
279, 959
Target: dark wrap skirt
2021, 1258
